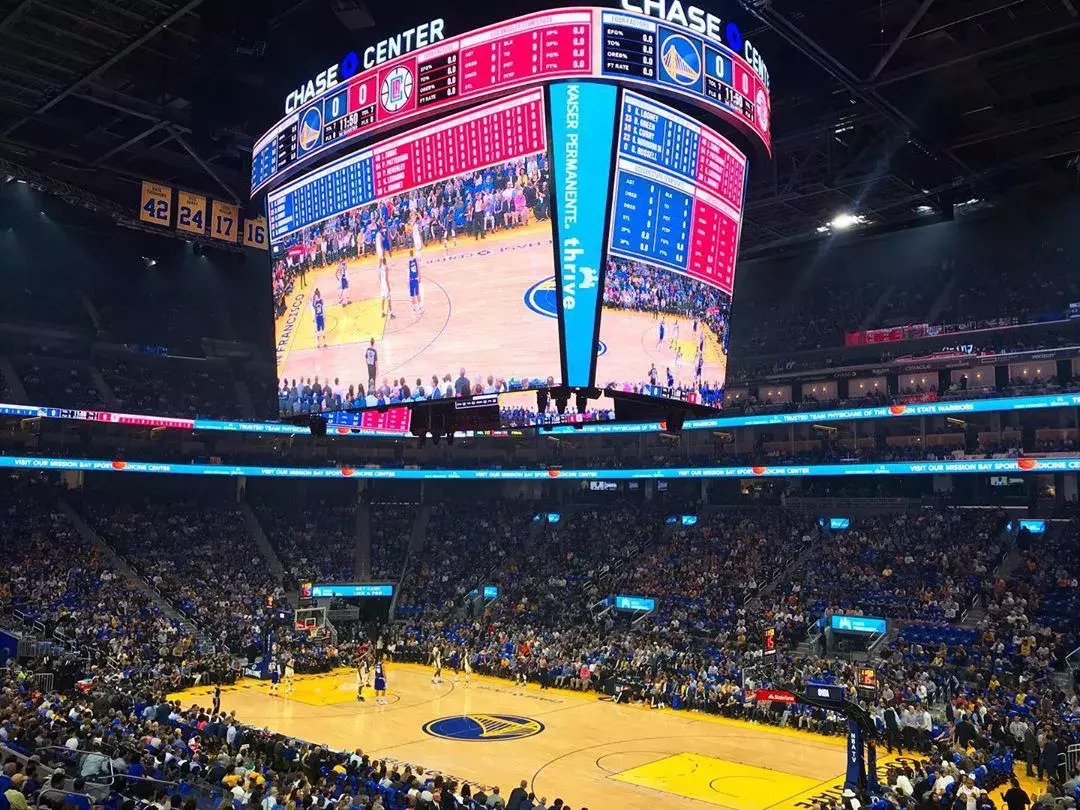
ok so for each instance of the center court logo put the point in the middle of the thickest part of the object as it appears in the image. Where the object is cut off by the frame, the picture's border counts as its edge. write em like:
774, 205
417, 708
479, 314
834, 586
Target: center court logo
680, 59
542, 298
483, 727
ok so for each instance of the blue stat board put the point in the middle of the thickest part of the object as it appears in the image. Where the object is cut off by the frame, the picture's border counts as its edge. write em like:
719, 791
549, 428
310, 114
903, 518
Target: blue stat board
1034, 526
678, 193
348, 591
856, 624
338, 187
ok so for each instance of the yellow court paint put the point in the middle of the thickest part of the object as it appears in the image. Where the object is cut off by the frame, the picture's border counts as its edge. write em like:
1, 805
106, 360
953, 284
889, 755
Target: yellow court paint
727, 784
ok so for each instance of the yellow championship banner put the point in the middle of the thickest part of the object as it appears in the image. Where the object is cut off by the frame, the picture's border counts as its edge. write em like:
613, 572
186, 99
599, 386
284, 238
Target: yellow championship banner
255, 233
191, 213
224, 221
156, 206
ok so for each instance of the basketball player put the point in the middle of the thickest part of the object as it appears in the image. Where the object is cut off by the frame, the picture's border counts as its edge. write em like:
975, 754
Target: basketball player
361, 678
414, 282
675, 335
274, 674
384, 290
343, 277
467, 664
320, 319
290, 674
380, 682
520, 680
663, 328
275, 677
417, 236
436, 662
449, 231
217, 699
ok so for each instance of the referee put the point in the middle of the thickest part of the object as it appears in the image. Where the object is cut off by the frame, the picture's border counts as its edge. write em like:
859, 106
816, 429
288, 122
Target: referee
371, 356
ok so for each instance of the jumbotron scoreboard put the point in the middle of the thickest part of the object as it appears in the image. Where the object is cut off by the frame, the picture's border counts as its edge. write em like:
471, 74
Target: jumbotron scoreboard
514, 208
726, 77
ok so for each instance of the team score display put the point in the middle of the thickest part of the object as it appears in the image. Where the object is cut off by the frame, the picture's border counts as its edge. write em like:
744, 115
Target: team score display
156, 204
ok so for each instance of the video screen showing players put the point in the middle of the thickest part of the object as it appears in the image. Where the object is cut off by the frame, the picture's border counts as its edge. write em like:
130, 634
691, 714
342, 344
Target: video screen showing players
676, 212
662, 334
425, 293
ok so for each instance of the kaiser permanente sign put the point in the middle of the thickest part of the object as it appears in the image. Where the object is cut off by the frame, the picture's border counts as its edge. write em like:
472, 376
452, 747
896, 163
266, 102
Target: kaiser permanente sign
1011, 465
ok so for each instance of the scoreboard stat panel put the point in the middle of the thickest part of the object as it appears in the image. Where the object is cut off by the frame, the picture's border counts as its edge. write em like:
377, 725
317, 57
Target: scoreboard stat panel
462, 143
543, 47
678, 194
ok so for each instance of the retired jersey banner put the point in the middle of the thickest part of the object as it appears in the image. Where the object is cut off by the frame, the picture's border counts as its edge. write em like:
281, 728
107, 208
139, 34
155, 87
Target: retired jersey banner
191, 213
255, 233
156, 204
224, 221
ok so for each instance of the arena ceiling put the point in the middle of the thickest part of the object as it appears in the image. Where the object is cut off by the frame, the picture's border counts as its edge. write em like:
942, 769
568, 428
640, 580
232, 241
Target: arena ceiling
890, 109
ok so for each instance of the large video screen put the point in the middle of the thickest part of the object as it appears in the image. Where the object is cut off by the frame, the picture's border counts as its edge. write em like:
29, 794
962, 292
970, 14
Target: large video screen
420, 267
676, 214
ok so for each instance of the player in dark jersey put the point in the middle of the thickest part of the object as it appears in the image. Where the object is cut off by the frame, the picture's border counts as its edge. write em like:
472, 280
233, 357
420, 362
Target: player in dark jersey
449, 228
320, 319
343, 277
380, 682
371, 357
414, 283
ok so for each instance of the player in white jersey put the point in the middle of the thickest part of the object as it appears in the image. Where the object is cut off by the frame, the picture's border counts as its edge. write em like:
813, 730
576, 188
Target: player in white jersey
417, 236
467, 665
384, 289
436, 662
361, 679
290, 674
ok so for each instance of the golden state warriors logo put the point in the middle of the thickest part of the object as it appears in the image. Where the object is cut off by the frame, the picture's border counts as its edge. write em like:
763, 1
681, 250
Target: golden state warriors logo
310, 131
542, 298
484, 727
680, 59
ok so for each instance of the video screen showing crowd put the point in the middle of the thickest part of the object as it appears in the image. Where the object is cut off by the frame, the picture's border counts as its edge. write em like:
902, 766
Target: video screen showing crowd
420, 296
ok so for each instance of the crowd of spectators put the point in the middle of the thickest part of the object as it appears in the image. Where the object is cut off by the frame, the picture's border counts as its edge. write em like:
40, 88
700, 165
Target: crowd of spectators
391, 531
200, 557
315, 541
191, 389
971, 692
62, 384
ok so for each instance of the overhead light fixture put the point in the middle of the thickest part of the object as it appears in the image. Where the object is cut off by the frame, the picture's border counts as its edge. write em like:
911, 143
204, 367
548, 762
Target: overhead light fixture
842, 222
822, 228
923, 209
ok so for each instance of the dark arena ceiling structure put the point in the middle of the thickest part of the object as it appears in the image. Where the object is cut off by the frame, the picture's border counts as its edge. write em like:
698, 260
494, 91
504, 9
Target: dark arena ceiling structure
898, 111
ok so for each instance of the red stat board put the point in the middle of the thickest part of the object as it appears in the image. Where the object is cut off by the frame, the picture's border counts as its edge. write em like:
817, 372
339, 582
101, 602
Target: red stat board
462, 144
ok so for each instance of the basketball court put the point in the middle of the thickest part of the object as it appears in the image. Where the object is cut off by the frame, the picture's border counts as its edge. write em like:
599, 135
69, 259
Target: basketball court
630, 344
475, 315
572, 745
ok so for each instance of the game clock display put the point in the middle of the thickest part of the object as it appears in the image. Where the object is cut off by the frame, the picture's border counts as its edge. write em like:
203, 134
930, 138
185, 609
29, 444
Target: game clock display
574, 235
